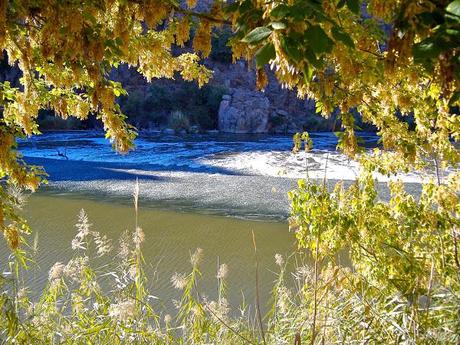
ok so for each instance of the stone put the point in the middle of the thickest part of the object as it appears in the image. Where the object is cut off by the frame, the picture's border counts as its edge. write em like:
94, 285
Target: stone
169, 131
226, 98
244, 112
282, 112
212, 132
194, 129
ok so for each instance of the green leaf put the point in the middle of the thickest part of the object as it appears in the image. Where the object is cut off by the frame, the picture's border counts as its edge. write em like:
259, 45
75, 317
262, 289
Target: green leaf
257, 35
280, 11
454, 7
427, 49
455, 99
341, 3
311, 58
318, 40
308, 73
453, 32
89, 17
245, 6
318, 107
278, 25
354, 6
291, 48
342, 36
265, 54
232, 7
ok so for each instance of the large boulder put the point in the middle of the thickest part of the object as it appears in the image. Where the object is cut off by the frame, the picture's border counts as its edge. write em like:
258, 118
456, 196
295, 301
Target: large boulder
244, 112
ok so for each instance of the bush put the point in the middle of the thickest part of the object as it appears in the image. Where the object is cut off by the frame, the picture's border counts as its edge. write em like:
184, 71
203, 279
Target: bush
205, 113
179, 121
48, 121
318, 123
156, 105
138, 107
277, 120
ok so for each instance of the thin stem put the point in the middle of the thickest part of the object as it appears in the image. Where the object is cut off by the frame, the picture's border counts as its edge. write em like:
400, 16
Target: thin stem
206, 307
325, 170
259, 314
430, 285
228, 326
315, 293
297, 340
454, 238
436, 166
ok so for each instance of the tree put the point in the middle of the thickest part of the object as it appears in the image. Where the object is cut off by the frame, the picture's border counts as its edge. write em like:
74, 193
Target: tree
65, 51
389, 60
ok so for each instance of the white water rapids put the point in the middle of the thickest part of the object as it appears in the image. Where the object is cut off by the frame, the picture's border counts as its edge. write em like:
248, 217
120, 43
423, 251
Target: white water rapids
237, 175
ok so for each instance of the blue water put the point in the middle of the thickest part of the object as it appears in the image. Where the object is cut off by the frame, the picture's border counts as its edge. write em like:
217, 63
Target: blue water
249, 154
245, 176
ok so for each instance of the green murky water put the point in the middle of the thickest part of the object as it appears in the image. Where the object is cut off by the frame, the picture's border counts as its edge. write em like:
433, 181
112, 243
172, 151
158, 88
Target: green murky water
170, 238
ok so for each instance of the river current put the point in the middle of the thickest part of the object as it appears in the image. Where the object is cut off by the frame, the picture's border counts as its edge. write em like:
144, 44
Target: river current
208, 191
234, 175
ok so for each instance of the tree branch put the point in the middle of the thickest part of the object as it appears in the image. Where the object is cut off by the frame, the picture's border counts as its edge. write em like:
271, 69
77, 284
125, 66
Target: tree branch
205, 16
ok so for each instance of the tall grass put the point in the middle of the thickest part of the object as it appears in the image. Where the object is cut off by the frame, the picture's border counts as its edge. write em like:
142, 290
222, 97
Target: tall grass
111, 303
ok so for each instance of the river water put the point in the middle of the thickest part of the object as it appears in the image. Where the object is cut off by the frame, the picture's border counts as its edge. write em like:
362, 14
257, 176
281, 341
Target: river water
203, 191
170, 237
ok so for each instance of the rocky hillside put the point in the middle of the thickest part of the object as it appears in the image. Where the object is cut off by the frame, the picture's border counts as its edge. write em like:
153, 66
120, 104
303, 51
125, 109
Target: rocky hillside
229, 103
275, 110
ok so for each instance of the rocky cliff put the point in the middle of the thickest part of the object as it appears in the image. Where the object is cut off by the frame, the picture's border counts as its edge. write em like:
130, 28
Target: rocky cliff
230, 103
243, 109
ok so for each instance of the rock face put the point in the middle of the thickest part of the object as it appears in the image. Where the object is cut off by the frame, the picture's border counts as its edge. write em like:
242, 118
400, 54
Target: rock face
276, 110
244, 111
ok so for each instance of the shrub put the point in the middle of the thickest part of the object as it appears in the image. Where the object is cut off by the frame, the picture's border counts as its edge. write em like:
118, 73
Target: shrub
317, 123
137, 106
156, 105
205, 113
277, 120
179, 121
48, 121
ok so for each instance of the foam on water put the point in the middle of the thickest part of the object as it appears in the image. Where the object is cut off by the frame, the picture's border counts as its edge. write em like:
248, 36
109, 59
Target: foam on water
249, 155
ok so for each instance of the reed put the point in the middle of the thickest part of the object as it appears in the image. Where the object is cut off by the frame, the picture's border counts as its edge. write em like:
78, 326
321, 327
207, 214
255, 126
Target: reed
319, 303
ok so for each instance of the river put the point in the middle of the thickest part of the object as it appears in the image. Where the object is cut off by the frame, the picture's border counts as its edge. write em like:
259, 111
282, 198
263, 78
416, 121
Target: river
207, 191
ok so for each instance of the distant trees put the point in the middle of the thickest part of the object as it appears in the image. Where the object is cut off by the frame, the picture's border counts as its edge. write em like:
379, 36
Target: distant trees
153, 107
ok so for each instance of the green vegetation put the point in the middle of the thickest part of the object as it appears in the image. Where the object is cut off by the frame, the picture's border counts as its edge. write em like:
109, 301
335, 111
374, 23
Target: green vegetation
178, 121
390, 60
49, 121
153, 107
94, 299
221, 50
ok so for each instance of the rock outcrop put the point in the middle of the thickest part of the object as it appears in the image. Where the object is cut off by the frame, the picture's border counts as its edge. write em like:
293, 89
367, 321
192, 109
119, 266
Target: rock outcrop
244, 111
276, 110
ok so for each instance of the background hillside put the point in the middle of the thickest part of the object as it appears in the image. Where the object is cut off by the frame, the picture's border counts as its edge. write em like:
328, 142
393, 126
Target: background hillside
229, 103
